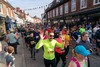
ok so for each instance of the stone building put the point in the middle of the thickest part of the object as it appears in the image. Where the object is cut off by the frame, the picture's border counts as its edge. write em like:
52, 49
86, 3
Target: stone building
7, 19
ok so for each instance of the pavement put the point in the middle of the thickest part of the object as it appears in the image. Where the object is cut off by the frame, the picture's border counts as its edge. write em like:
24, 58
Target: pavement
19, 58
23, 58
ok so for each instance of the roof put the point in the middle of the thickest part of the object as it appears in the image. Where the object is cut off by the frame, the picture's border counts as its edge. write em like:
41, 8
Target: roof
7, 3
54, 4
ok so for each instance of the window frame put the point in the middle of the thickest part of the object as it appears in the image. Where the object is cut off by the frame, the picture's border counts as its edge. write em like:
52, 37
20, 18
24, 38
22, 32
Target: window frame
73, 3
7, 11
61, 10
53, 12
85, 6
66, 8
95, 3
48, 15
57, 11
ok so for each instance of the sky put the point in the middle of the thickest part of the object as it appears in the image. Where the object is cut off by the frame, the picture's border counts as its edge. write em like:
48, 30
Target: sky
28, 4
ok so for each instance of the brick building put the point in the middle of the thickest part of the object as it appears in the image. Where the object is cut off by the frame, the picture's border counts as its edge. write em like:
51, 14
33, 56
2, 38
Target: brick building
73, 11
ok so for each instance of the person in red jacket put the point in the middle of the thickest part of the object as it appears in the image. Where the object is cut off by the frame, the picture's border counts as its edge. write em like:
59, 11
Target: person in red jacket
60, 53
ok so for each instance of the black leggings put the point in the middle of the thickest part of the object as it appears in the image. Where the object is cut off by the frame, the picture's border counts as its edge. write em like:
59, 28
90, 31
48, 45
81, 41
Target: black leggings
32, 50
66, 50
49, 63
63, 58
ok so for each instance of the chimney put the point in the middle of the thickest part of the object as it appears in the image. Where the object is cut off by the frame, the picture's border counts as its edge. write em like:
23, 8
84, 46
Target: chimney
17, 9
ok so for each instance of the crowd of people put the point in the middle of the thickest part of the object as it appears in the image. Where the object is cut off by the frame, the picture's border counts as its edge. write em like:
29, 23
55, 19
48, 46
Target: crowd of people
56, 42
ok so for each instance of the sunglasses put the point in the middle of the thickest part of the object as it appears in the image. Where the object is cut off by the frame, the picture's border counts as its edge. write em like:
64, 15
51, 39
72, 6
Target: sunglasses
86, 36
51, 35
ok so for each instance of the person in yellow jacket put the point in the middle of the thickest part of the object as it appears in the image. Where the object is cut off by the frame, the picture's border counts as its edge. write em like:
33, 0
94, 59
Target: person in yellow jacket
49, 49
67, 41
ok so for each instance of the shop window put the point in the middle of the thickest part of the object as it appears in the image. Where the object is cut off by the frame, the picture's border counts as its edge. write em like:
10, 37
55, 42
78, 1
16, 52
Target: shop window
73, 5
0, 8
56, 11
83, 4
61, 10
66, 7
96, 2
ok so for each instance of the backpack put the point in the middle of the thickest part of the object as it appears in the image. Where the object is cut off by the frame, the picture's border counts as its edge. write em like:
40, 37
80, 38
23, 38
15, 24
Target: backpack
77, 63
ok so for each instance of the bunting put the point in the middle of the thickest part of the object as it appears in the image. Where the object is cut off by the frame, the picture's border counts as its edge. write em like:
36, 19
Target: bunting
49, 5
36, 8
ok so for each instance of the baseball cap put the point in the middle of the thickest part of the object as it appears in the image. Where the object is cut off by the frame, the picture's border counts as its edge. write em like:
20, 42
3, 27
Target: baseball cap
82, 50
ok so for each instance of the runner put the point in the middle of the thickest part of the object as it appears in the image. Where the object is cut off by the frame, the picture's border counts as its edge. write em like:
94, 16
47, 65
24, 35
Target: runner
32, 45
80, 57
67, 41
60, 53
84, 41
97, 35
49, 49
46, 34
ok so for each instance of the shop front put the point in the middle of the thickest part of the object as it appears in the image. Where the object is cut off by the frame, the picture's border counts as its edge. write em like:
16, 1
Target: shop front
2, 25
95, 18
90, 15
10, 23
83, 17
72, 20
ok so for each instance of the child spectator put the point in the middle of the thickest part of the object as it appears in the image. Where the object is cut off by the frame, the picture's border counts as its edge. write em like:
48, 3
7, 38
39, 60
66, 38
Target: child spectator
9, 58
